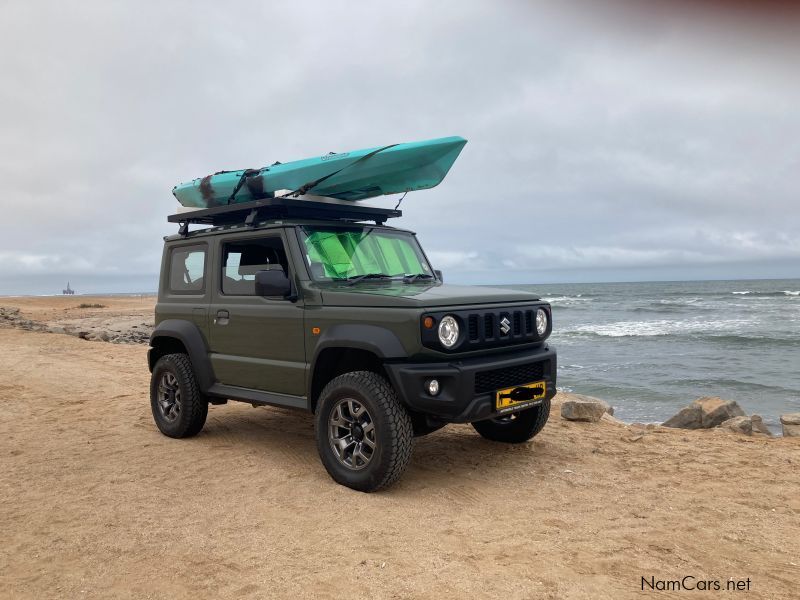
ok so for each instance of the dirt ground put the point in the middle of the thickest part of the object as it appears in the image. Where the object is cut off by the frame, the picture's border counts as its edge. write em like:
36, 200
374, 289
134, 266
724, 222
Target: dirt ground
96, 503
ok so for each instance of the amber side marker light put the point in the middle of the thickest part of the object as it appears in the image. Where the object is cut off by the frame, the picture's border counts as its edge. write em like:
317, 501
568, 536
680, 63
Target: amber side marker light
315, 330
428, 322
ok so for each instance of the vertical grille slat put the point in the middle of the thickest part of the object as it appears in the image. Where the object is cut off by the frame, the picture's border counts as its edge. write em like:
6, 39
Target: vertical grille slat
528, 321
517, 323
473, 327
488, 325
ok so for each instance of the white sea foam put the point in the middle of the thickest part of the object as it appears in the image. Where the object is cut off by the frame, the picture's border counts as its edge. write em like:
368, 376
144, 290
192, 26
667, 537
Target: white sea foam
660, 327
771, 293
566, 300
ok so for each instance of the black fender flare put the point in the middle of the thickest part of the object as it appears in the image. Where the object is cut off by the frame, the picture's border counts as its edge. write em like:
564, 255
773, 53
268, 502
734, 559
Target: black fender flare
382, 342
196, 346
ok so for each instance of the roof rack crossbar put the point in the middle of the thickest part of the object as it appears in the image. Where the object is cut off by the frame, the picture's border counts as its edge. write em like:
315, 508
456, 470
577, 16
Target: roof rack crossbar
249, 213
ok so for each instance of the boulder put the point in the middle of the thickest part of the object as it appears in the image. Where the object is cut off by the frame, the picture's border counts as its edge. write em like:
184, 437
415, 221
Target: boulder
584, 408
753, 425
705, 413
759, 427
791, 425
739, 425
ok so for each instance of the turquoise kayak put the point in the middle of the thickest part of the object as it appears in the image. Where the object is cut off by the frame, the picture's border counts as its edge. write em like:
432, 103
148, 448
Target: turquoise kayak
355, 175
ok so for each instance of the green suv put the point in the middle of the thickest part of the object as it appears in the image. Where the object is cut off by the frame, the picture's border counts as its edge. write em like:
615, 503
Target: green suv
309, 305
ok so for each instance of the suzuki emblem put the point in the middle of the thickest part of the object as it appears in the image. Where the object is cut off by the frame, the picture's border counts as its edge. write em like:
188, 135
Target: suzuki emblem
505, 325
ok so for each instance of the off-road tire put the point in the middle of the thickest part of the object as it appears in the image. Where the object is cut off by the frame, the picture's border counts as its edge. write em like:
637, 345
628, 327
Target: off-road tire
394, 434
523, 427
193, 403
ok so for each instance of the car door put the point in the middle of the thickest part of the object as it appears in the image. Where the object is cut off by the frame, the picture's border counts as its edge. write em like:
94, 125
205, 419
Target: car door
256, 342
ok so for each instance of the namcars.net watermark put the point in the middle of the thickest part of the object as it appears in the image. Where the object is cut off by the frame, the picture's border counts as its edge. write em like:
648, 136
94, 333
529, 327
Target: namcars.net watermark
690, 583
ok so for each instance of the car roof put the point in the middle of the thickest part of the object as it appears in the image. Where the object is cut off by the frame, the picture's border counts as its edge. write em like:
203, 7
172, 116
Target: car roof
278, 224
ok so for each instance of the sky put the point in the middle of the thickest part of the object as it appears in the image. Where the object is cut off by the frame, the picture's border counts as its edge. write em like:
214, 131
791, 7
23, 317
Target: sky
607, 141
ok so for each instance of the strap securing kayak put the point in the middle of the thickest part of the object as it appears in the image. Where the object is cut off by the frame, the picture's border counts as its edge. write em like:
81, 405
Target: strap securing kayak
307, 187
245, 174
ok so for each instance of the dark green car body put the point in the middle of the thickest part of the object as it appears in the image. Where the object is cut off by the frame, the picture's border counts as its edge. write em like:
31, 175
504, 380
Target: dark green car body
282, 350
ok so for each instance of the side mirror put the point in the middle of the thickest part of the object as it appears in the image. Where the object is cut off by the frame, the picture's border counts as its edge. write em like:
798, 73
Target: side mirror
439, 275
273, 283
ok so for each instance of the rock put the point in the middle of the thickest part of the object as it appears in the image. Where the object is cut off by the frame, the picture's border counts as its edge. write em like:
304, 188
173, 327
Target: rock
84, 335
56, 329
753, 425
758, 426
584, 408
613, 420
791, 425
704, 413
739, 425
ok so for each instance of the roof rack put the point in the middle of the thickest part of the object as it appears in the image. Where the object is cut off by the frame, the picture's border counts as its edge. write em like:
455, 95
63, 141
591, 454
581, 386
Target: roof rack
250, 213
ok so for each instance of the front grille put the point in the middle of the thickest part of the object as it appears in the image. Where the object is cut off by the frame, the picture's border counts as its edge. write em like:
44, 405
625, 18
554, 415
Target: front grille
498, 379
485, 328
488, 327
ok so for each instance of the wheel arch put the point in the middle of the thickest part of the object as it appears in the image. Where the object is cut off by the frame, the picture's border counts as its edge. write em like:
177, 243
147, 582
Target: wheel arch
179, 336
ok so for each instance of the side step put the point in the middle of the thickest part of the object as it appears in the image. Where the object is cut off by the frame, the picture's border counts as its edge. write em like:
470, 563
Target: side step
257, 397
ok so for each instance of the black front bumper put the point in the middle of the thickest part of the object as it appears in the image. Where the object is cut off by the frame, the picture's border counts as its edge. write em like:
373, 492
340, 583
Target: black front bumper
463, 395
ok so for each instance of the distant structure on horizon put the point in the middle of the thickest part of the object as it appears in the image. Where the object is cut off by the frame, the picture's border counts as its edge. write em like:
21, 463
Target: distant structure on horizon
69, 291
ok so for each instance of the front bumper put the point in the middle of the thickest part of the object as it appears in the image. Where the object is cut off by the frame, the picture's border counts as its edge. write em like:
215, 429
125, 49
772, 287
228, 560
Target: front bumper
463, 397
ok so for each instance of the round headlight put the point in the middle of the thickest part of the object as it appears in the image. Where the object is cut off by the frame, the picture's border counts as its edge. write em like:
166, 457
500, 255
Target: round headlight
541, 322
448, 331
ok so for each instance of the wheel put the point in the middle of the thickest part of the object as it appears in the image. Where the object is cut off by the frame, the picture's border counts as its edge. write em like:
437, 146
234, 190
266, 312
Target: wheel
516, 427
179, 408
364, 435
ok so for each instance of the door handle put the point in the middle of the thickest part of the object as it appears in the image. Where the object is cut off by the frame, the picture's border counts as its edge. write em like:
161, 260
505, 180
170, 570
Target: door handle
223, 317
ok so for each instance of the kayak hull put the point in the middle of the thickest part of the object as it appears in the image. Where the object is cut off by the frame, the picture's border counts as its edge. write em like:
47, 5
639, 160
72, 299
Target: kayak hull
354, 176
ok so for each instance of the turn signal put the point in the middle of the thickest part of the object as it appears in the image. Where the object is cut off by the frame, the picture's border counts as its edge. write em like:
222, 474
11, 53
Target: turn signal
428, 322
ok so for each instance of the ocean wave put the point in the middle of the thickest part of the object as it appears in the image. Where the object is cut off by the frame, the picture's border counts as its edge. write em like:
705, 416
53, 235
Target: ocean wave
765, 294
567, 301
755, 340
658, 327
669, 306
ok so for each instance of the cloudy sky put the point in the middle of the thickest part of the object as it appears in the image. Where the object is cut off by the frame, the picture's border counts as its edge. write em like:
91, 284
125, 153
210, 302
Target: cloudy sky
605, 144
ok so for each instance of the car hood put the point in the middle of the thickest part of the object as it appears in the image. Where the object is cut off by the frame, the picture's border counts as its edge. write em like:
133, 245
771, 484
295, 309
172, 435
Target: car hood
399, 294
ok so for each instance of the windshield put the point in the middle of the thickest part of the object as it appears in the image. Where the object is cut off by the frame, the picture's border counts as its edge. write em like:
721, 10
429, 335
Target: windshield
336, 253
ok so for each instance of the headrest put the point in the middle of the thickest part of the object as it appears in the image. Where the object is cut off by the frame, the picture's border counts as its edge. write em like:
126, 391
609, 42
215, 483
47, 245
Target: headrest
258, 258
259, 255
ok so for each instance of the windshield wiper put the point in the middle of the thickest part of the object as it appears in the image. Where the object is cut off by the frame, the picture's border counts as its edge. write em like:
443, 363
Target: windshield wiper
356, 278
415, 276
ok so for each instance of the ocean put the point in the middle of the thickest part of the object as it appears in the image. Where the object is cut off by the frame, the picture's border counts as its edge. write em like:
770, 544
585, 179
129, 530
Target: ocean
651, 348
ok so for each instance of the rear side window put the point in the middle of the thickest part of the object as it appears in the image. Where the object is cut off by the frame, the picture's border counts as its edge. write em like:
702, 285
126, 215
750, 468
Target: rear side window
187, 267
242, 260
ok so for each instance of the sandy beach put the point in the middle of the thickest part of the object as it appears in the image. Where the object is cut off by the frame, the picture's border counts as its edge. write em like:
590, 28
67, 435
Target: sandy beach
96, 503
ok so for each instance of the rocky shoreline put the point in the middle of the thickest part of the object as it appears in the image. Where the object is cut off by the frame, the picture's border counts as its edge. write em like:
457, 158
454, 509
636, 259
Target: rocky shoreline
115, 329
709, 412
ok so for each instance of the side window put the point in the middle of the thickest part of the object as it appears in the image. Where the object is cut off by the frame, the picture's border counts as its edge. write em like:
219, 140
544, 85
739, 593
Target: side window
187, 269
242, 260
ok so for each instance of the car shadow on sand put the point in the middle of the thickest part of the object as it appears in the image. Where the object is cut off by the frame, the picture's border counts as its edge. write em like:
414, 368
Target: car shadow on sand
448, 456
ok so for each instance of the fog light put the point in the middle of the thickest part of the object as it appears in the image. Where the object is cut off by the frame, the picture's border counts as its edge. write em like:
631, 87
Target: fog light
433, 387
